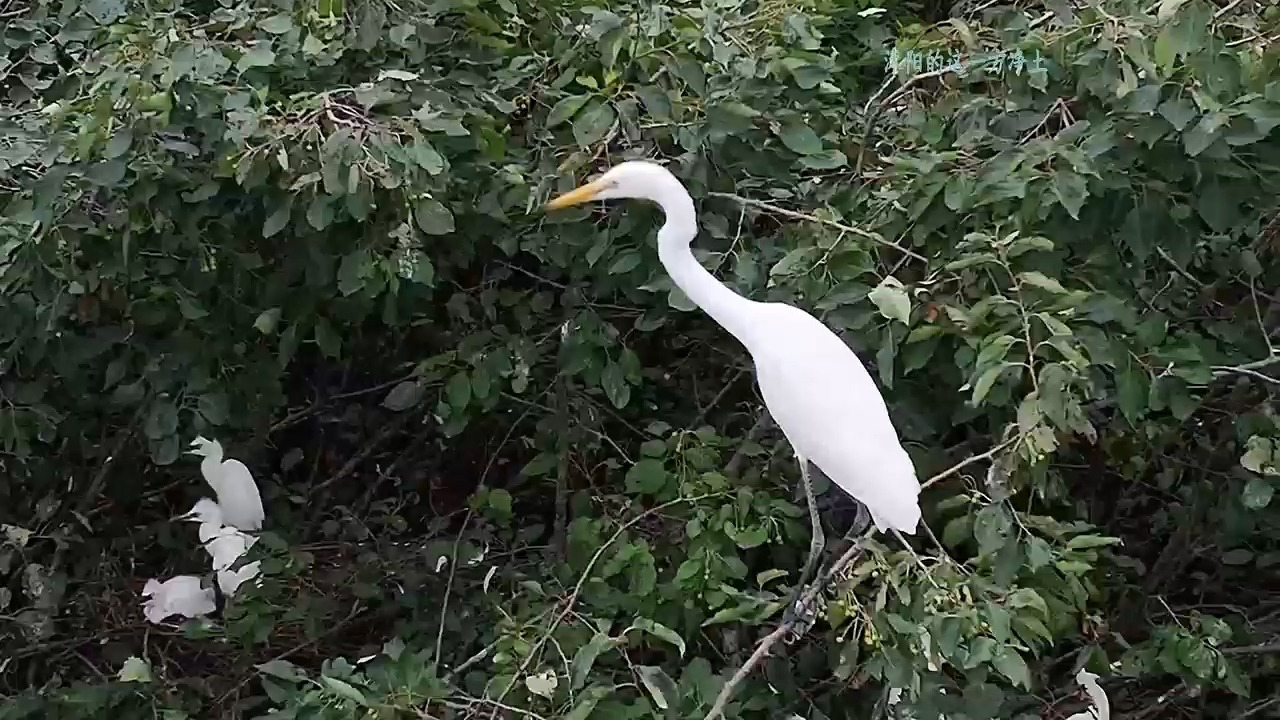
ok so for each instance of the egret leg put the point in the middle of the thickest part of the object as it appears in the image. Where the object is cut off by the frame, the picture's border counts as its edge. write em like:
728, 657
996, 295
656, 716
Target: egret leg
817, 539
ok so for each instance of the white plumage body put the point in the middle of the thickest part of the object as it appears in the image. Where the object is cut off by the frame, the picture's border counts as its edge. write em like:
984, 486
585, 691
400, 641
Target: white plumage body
829, 408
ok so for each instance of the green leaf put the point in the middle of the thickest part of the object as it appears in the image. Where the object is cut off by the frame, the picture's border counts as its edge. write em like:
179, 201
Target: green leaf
162, 420
1071, 190
344, 690
626, 262
1259, 456
800, 138
1010, 664
593, 124
282, 669
991, 526
433, 217
957, 531
891, 299
587, 702
267, 321
352, 271
646, 476
500, 502
564, 110
328, 341
659, 630
614, 383
543, 684
118, 144
320, 212
136, 670
1257, 493
1042, 281
985, 382
276, 24
1199, 138
260, 55
278, 218
661, 688
1085, 542
1178, 111
403, 396
458, 390
585, 658
1026, 597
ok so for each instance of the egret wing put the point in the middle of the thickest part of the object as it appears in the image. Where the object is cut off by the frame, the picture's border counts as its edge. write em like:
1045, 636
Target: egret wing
238, 497
832, 413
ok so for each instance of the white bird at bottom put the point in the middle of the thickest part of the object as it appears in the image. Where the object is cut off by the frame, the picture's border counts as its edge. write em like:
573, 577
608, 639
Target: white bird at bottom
816, 389
180, 595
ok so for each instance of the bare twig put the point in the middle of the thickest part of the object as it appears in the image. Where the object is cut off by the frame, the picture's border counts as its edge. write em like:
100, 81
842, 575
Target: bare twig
967, 462
559, 535
1265, 649
867, 234
349, 467
298, 416
448, 588
1258, 707
100, 479
1221, 370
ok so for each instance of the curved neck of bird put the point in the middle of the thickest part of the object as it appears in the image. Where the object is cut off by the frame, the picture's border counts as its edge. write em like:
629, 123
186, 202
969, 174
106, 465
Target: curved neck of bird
725, 306
210, 467
1100, 700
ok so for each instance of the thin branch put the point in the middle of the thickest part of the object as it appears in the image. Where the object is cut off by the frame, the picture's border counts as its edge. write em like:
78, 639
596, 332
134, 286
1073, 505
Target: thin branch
100, 479
1265, 649
448, 588
867, 234
967, 462
726, 693
582, 580
1221, 370
297, 416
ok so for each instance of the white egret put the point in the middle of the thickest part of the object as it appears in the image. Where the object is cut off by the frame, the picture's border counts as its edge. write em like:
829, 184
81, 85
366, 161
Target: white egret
238, 497
225, 545
816, 389
181, 595
1101, 709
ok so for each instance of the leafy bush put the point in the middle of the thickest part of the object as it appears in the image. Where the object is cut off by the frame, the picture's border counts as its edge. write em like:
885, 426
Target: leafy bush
509, 472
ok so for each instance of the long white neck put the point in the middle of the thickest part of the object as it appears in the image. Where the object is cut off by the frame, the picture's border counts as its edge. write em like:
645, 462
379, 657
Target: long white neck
729, 309
211, 468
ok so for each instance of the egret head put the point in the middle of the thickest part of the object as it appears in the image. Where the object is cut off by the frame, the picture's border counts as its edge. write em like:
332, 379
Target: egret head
205, 511
638, 179
205, 448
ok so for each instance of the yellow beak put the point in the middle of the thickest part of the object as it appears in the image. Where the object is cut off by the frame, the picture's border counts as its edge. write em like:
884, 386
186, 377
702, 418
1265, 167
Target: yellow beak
577, 196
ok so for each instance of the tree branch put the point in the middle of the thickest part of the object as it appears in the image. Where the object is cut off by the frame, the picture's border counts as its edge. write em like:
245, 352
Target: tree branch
867, 234
762, 649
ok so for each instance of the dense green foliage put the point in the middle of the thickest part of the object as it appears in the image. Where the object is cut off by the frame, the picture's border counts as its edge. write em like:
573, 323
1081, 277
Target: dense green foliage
509, 473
